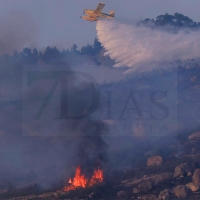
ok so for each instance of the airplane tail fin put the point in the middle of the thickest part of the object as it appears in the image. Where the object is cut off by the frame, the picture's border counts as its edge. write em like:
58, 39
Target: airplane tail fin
112, 13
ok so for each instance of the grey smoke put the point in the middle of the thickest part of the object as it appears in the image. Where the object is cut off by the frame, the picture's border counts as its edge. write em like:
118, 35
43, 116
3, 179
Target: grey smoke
17, 32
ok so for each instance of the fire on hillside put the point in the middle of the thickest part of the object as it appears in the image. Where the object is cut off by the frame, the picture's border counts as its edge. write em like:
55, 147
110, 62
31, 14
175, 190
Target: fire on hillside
80, 180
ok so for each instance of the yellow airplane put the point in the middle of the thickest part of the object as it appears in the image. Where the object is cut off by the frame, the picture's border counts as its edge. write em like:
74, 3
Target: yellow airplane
94, 15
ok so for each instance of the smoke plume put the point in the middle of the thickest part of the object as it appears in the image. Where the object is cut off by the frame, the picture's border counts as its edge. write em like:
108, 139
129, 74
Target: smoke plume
142, 48
17, 32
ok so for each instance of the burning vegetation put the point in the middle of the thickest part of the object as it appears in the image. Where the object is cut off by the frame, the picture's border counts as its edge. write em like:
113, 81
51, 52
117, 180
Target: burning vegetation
80, 180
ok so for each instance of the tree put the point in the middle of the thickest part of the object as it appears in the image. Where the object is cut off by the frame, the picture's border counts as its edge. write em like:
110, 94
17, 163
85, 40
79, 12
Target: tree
87, 50
177, 19
164, 19
97, 47
74, 49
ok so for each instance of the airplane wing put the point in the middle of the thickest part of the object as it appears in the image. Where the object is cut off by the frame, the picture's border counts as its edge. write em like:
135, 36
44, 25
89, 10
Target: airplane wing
99, 8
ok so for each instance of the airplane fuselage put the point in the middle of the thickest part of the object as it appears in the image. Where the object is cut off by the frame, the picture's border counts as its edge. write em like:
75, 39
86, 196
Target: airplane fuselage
91, 13
96, 14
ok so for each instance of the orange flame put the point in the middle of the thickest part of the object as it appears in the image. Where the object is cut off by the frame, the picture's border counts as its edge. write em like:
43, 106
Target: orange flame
96, 177
80, 181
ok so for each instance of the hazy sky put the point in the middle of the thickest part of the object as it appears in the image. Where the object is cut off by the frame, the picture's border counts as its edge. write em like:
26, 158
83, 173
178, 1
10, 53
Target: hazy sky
59, 23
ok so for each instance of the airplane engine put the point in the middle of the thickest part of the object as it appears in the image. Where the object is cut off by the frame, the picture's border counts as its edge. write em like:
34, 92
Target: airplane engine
112, 13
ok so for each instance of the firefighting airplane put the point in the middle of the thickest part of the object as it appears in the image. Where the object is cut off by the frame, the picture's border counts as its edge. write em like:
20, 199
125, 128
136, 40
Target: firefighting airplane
94, 15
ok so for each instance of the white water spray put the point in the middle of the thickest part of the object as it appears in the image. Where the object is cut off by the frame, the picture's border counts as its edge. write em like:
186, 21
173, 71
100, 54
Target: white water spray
143, 49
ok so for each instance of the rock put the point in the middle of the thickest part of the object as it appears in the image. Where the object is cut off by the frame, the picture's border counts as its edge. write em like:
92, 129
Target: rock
180, 191
194, 136
165, 194
181, 169
121, 195
154, 161
148, 197
192, 186
196, 177
163, 177
189, 174
143, 187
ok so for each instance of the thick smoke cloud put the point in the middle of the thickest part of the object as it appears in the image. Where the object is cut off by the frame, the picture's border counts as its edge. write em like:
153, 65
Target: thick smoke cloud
17, 32
142, 48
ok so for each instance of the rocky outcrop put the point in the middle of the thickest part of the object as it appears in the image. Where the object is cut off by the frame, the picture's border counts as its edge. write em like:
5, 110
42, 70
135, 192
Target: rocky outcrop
148, 197
163, 177
165, 194
154, 161
194, 136
196, 177
181, 191
181, 169
143, 187
192, 187
155, 179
